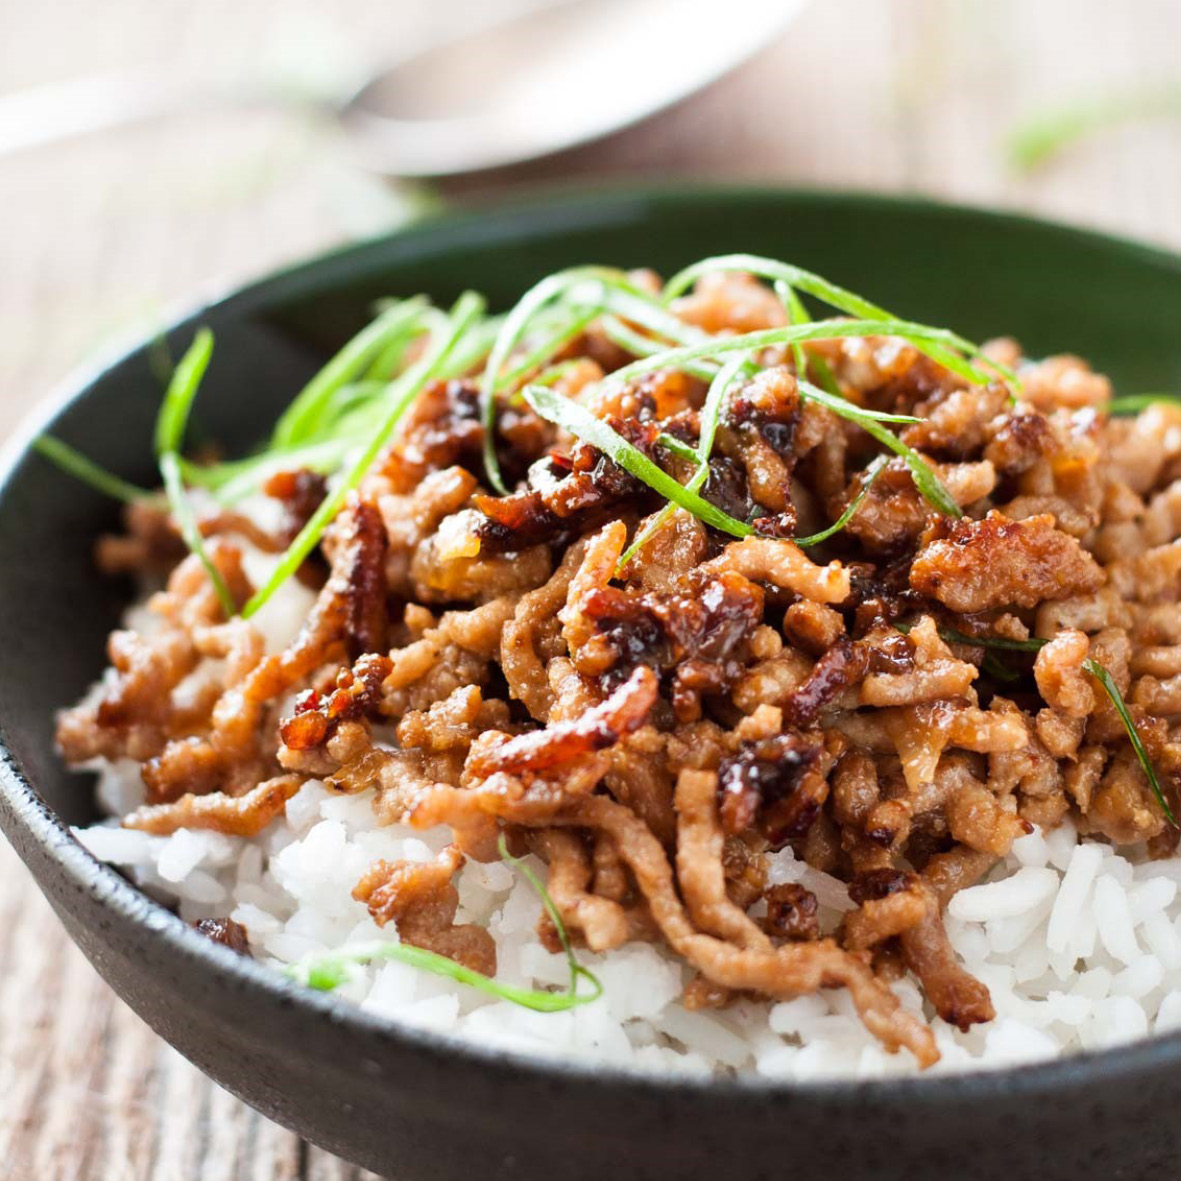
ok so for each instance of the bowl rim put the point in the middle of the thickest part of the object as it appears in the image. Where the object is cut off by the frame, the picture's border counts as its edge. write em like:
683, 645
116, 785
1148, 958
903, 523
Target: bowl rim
38, 823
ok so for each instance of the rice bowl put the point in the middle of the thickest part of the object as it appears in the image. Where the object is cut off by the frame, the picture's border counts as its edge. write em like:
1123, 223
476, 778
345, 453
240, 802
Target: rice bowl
829, 784
405, 1100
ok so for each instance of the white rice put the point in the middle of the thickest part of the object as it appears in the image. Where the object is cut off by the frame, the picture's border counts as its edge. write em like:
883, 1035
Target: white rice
1079, 946
1077, 956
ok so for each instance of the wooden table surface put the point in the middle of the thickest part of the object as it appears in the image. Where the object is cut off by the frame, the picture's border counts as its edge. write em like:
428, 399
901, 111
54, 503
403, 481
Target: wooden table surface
103, 237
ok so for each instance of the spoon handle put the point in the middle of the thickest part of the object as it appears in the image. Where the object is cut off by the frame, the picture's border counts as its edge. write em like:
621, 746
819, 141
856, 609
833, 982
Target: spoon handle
99, 102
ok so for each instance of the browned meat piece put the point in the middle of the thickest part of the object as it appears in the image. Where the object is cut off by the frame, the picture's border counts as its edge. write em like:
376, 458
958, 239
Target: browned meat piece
316, 717
236, 816
656, 729
785, 971
622, 713
700, 631
980, 565
844, 664
573, 495
700, 870
421, 899
773, 775
363, 564
959, 998
226, 932
150, 545
602, 922
137, 713
791, 913
300, 492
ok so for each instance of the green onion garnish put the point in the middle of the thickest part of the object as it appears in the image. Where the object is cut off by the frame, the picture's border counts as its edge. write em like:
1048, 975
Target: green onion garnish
551, 344
930, 486
182, 389
763, 338
867, 478
1105, 679
1135, 403
940, 349
170, 429
1003, 643
329, 971
1121, 707
300, 420
582, 424
615, 292
402, 394
805, 364
679, 449
85, 470
796, 314
711, 413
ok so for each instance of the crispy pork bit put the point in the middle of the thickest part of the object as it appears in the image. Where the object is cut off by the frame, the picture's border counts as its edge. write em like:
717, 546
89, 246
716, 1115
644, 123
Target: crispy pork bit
226, 932
601, 726
420, 898
982, 565
657, 729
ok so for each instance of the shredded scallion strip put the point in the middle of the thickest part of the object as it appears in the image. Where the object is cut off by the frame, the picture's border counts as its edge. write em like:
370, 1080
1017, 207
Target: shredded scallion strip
762, 338
402, 394
1106, 681
1121, 707
941, 350
182, 389
75, 464
1135, 403
513, 329
679, 449
711, 413
930, 486
170, 430
870, 474
300, 420
328, 971
582, 424
805, 364
551, 344
1002, 643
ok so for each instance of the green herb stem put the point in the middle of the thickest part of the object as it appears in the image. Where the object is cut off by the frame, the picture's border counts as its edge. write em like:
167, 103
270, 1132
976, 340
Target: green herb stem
329, 971
182, 513
170, 430
182, 389
550, 345
1002, 643
749, 342
86, 471
711, 413
1135, 403
679, 449
582, 424
1106, 681
1121, 707
299, 422
939, 349
615, 290
928, 483
870, 474
402, 394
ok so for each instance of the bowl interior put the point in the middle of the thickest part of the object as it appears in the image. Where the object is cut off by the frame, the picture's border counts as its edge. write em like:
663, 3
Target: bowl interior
981, 274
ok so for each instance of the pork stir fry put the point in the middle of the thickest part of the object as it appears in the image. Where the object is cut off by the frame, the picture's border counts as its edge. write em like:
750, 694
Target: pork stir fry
651, 696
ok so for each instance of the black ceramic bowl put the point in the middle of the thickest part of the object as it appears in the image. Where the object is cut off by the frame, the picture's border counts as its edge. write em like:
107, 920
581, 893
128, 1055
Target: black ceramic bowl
409, 1103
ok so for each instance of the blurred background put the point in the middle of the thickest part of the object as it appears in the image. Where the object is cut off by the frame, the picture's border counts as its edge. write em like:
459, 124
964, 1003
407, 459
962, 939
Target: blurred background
1067, 108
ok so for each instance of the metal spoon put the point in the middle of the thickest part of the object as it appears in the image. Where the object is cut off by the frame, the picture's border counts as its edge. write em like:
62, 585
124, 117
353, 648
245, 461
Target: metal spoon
513, 91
